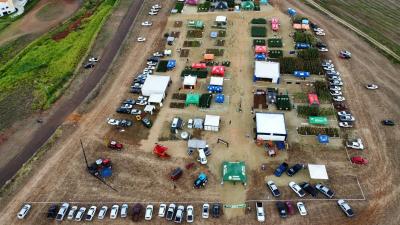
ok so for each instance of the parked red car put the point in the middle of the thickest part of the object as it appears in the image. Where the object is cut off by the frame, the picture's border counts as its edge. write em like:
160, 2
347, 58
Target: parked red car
359, 160
289, 207
115, 145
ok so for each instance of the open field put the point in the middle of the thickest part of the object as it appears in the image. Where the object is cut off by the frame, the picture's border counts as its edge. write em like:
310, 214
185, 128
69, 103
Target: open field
379, 19
141, 177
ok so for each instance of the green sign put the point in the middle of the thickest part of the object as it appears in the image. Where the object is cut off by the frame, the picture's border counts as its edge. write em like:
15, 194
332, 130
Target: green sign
237, 206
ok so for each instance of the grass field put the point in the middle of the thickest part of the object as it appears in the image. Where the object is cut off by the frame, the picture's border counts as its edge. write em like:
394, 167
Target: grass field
37, 76
379, 19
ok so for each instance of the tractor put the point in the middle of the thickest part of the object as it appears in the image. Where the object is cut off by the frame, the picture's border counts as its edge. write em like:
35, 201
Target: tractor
201, 181
160, 151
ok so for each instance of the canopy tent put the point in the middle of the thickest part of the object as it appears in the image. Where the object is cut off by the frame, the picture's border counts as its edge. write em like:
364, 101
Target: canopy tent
218, 70
323, 139
234, 171
192, 99
217, 81
270, 127
313, 99
208, 56
149, 109
260, 57
213, 34
301, 74
156, 98
305, 26
189, 82
155, 84
260, 49
221, 5
275, 26
171, 64
167, 52
198, 123
211, 123
291, 12
263, 2
318, 120
196, 144
305, 21
199, 24
199, 65
247, 5
221, 20
220, 98
267, 71
274, 21
192, 2
215, 89
317, 172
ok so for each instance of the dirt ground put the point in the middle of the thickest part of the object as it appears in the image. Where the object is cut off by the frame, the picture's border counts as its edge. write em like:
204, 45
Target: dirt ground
140, 177
44, 16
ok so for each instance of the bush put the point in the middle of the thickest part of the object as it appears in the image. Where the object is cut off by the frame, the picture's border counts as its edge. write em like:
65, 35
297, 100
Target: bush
308, 130
258, 21
304, 37
258, 31
322, 90
311, 53
305, 110
290, 64
275, 43
275, 54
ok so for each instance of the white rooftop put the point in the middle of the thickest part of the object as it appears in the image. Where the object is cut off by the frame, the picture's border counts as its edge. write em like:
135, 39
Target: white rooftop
217, 81
220, 19
318, 172
270, 123
211, 120
266, 69
189, 80
156, 98
155, 84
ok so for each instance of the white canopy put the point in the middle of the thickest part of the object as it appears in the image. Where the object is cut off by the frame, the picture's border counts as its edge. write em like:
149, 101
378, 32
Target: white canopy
271, 126
318, 172
269, 70
155, 84
211, 123
220, 19
189, 80
195, 143
156, 98
219, 81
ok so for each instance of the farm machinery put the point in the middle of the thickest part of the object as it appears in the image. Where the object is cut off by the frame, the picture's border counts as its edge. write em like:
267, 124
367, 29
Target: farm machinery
160, 151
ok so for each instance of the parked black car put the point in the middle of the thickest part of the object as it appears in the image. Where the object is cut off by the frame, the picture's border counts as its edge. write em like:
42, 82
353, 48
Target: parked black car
123, 110
388, 122
52, 211
129, 101
135, 90
321, 45
281, 209
216, 210
294, 169
88, 65
147, 122
126, 123
309, 189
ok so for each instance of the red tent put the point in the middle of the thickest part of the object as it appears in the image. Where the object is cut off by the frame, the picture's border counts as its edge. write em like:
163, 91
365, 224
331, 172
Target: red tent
274, 21
313, 99
199, 66
260, 49
218, 70
275, 26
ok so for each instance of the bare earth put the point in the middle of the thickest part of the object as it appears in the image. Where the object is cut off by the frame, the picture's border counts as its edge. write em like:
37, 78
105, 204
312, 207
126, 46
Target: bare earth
141, 177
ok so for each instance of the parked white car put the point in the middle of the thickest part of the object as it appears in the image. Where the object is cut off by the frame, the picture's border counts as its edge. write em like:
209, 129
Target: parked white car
345, 207
149, 212
189, 214
190, 124
344, 113
151, 13
205, 212
124, 210
180, 213
147, 23
335, 88
91, 212
297, 189
302, 208
161, 210
345, 124
335, 93
320, 33
323, 49
72, 212
80, 213
260, 212
371, 86
141, 39
62, 211
114, 211
93, 59
339, 98
355, 144
202, 157
24, 211
102, 212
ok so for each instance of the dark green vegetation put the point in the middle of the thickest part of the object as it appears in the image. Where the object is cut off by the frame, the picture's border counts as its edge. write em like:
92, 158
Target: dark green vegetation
304, 37
258, 31
330, 131
290, 64
322, 90
11, 48
275, 43
305, 110
258, 21
7, 20
37, 76
379, 19
179, 6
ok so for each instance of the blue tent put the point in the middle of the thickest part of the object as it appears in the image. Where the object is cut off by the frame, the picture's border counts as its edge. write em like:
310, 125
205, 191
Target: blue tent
263, 2
280, 145
301, 74
323, 139
220, 98
300, 45
221, 5
106, 172
305, 21
260, 57
171, 64
214, 34
215, 89
291, 12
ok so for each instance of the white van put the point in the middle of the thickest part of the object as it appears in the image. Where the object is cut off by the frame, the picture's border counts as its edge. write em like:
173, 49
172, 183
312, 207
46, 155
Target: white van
202, 157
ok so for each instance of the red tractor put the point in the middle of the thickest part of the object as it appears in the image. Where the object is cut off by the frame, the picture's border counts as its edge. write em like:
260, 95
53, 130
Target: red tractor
160, 151
115, 145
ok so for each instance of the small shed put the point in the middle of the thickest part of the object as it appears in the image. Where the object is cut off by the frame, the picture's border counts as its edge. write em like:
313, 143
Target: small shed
318, 172
221, 20
318, 120
218, 70
192, 99
209, 57
260, 49
217, 81
234, 172
211, 123
313, 99
189, 82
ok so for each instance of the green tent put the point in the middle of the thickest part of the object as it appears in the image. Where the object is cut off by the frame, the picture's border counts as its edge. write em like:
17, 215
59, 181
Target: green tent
283, 102
234, 171
199, 24
247, 5
318, 120
192, 99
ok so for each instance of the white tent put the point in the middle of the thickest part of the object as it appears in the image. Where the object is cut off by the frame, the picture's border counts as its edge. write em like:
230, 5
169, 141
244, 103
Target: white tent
267, 71
189, 82
155, 84
270, 127
318, 172
195, 143
219, 81
156, 99
149, 109
221, 19
211, 123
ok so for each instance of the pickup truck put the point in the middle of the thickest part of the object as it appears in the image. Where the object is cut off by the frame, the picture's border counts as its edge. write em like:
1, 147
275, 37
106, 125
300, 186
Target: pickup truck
281, 169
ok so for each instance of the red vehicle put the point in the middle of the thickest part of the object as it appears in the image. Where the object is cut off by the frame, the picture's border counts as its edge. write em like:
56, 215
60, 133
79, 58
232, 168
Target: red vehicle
115, 145
160, 151
176, 173
289, 207
359, 160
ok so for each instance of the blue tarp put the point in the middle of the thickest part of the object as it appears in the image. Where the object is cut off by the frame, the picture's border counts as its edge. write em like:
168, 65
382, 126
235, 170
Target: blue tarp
305, 21
322, 138
214, 34
215, 89
106, 172
220, 98
301, 74
260, 57
171, 64
300, 45
280, 145
291, 12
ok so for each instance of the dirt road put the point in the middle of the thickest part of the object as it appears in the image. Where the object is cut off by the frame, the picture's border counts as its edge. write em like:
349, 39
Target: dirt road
60, 114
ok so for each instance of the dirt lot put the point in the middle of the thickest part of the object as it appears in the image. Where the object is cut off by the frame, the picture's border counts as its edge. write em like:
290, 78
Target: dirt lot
140, 177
